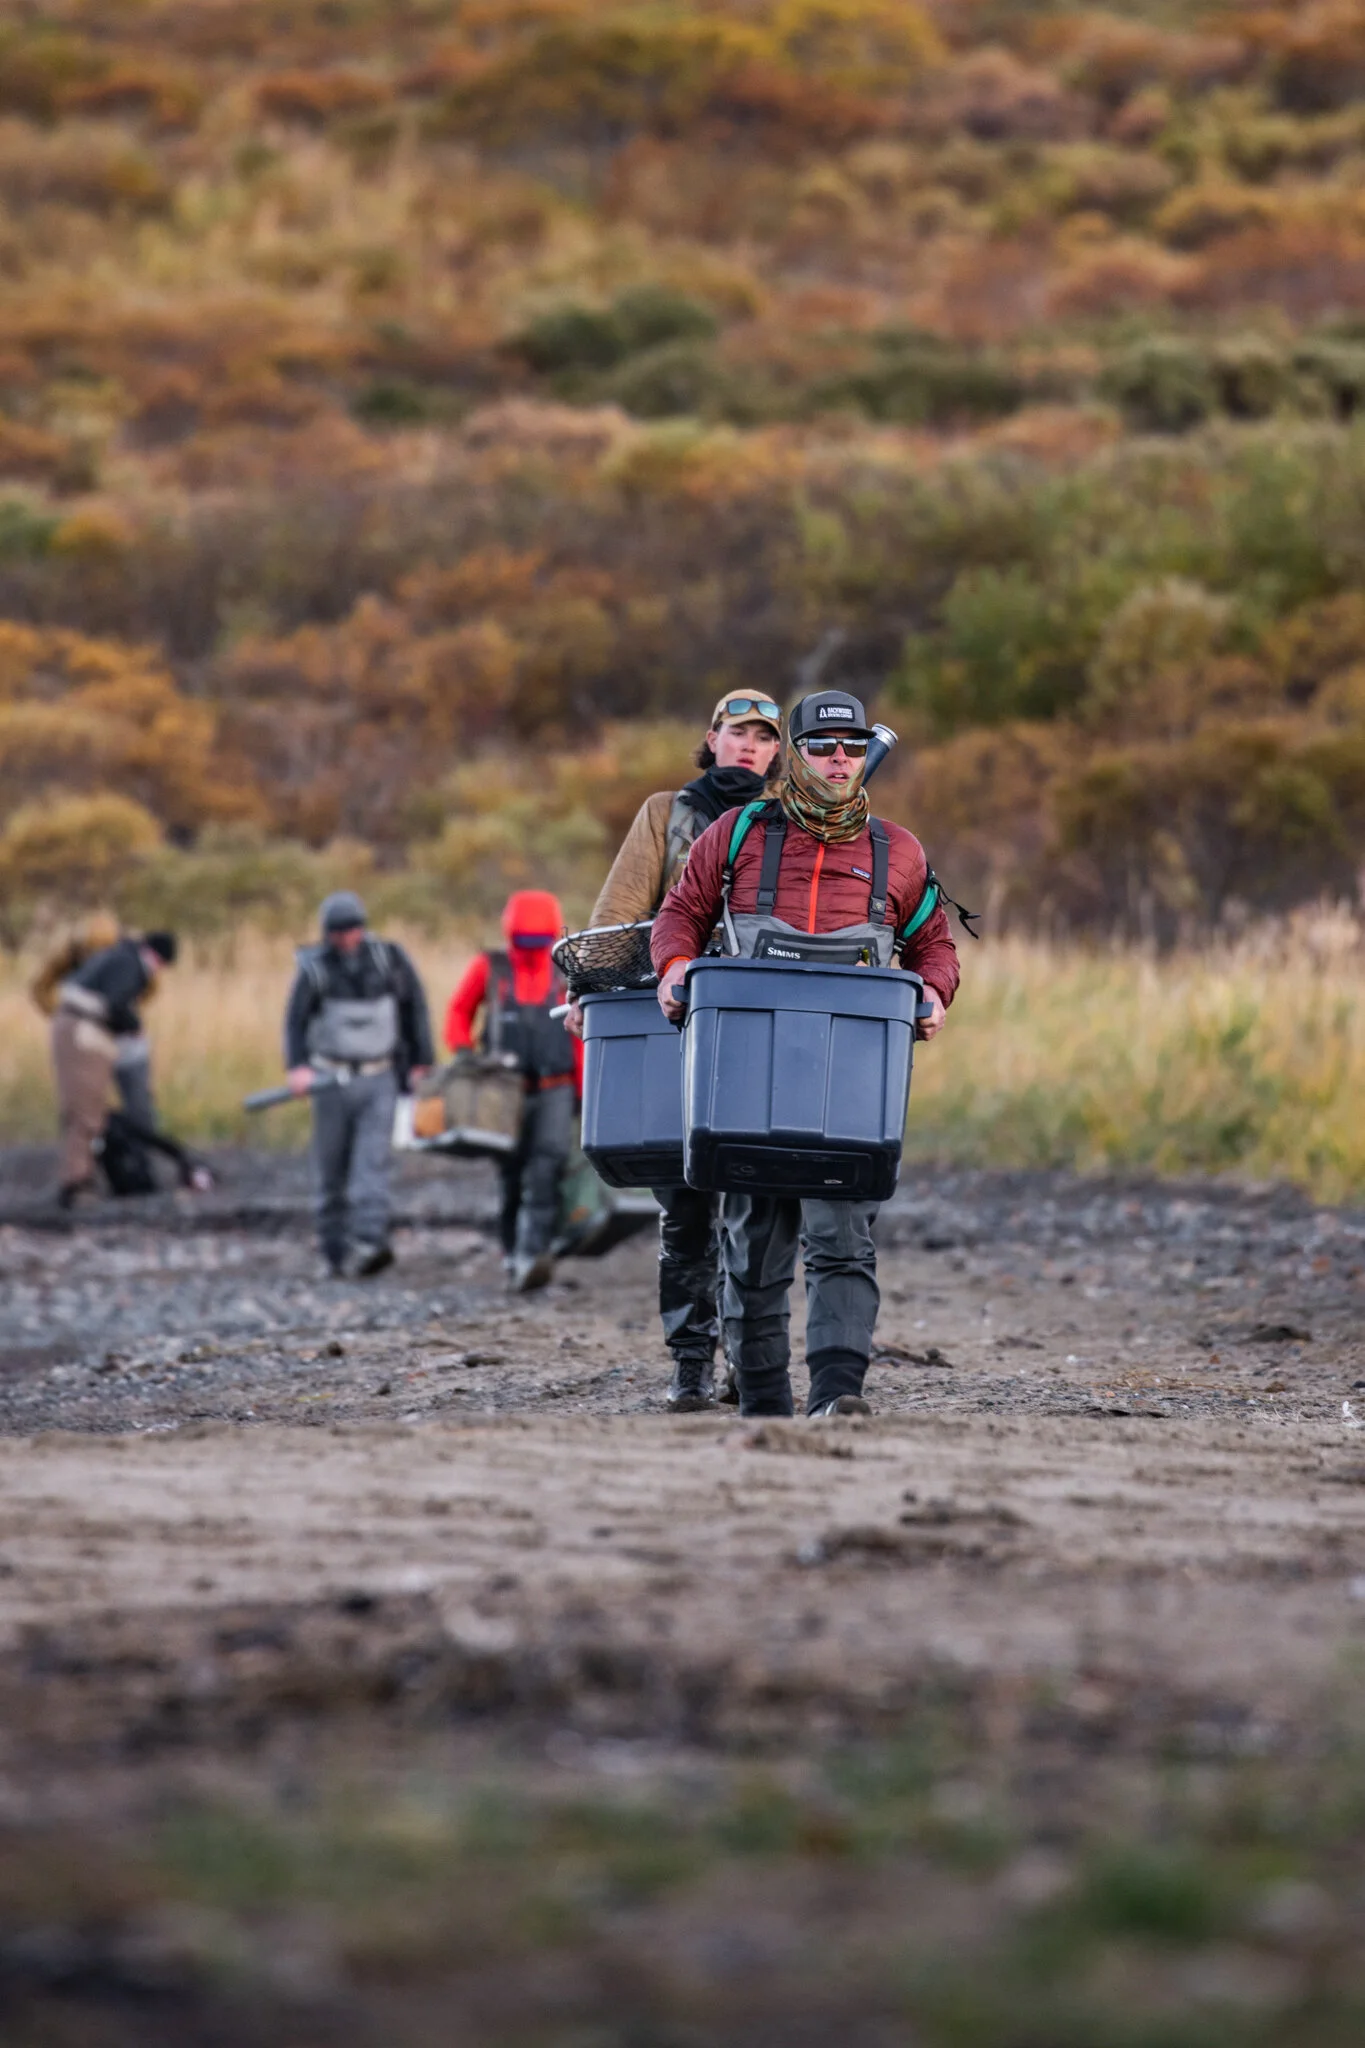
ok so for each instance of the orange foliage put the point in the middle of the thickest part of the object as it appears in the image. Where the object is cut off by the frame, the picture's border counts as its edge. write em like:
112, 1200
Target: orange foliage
80, 715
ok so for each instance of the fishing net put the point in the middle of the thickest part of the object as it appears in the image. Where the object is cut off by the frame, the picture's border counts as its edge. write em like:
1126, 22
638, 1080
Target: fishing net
613, 956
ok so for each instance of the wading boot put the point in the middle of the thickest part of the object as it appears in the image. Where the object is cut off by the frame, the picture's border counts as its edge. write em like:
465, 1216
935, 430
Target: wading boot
691, 1389
846, 1404
529, 1273
369, 1259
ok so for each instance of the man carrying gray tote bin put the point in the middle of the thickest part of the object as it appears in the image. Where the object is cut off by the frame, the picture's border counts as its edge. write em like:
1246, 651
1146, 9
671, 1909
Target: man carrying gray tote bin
356, 1031
809, 878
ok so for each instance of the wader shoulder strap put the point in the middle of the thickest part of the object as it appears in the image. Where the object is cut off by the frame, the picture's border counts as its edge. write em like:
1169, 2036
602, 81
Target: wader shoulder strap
499, 985
311, 967
774, 839
881, 871
381, 959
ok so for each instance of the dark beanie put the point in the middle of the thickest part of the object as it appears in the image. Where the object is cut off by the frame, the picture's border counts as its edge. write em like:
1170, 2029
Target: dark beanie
342, 911
164, 944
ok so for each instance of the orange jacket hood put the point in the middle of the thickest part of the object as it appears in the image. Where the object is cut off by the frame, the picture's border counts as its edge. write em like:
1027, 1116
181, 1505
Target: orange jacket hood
531, 911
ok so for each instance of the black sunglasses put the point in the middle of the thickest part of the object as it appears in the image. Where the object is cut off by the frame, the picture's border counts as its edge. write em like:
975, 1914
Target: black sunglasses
821, 748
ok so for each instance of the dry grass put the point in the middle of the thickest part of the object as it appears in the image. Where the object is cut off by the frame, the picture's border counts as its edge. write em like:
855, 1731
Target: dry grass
1244, 1058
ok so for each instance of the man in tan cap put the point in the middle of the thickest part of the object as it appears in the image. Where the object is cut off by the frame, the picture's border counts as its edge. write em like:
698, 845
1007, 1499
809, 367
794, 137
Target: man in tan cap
739, 752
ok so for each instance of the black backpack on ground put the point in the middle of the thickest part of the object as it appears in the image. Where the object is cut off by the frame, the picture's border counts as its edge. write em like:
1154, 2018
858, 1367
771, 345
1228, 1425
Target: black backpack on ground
125, 1149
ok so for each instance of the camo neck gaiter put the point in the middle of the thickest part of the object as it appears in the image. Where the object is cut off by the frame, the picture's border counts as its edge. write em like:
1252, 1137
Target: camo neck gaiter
834, 812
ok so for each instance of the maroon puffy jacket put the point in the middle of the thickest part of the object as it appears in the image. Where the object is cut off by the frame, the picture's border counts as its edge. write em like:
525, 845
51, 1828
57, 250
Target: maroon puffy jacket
819, 888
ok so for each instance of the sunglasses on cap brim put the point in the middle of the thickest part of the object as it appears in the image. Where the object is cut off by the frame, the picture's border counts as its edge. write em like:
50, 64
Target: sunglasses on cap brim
821, 746
750, 707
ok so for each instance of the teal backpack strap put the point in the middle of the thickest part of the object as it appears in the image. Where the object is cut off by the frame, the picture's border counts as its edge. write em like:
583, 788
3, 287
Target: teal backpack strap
928, 904
934, 895
743, 824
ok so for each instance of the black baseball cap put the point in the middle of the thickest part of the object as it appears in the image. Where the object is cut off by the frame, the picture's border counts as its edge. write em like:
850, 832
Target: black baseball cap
829, 712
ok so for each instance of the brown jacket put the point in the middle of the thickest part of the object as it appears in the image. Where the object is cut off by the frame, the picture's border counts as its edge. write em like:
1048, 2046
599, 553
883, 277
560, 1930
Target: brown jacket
637, 883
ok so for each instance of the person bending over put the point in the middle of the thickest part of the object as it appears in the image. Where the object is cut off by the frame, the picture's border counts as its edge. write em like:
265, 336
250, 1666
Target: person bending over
98, 1014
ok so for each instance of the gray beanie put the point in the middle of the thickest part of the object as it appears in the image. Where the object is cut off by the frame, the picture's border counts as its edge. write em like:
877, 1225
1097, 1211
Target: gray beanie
341, 911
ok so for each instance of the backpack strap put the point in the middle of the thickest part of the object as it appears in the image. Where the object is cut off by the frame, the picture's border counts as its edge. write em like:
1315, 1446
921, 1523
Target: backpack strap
934, 895
881, 871
742, 826
740, 831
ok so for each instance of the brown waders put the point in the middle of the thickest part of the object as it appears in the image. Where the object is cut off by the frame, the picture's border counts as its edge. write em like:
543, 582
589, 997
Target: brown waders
83, 1057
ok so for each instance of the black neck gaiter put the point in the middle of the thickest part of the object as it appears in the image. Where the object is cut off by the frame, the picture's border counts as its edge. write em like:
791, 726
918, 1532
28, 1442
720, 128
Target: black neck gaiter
722, 789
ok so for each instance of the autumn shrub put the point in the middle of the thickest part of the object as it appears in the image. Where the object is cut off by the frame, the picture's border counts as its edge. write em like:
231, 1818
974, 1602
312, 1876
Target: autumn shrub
1316, 55
1178, 832
79, 716
237, 876
39, 67
316, 98
69, 851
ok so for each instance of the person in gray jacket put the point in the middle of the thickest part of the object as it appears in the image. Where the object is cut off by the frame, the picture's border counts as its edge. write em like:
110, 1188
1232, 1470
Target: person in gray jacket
357, 1018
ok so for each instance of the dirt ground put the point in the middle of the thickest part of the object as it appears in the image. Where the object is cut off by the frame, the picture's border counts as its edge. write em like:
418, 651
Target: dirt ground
1114, 1479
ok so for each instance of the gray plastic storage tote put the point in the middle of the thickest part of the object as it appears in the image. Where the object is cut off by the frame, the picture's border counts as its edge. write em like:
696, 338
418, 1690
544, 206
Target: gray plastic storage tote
632, 1090
796, 1078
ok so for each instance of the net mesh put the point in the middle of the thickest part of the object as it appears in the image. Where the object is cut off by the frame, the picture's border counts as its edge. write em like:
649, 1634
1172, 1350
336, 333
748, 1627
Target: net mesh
613, 956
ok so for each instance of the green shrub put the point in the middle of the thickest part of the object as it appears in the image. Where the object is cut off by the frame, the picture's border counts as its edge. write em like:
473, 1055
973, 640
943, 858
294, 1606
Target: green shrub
1164, 385
650, 314
26, 531
1005, 651
574, 337
678, 377
392, 402
1250, 375
1337, 370
920, 381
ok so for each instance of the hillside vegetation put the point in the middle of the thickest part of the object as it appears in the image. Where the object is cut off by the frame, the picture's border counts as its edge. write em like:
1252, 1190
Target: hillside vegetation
412, 414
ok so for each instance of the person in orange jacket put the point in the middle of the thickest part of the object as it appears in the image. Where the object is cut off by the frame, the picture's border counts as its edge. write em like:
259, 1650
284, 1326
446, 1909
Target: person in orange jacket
516, 989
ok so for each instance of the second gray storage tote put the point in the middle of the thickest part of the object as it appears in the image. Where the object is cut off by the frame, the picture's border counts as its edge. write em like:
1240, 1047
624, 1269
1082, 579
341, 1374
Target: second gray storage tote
796, 1078
632, 1090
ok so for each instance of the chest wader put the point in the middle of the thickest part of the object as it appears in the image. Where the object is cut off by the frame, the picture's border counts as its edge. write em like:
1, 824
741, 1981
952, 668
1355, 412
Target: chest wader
525, 1032
357, 1034
355, 1038
532, 1173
